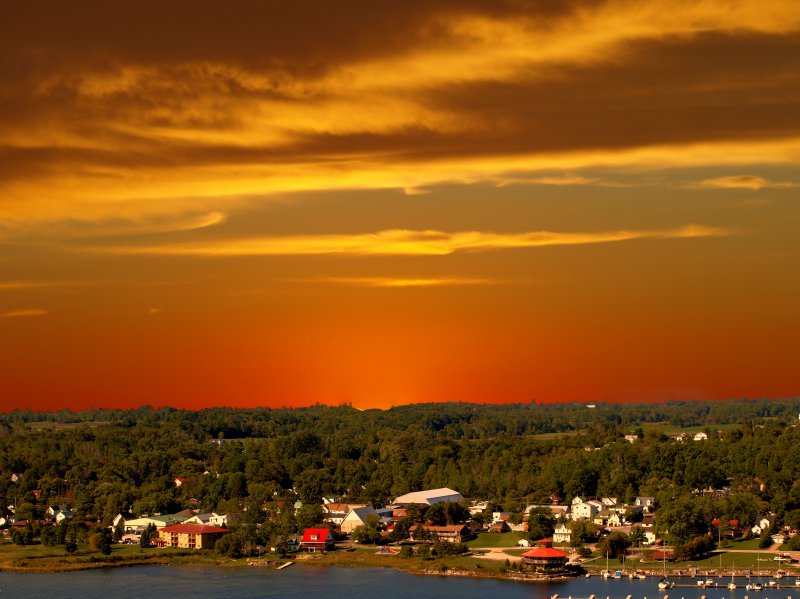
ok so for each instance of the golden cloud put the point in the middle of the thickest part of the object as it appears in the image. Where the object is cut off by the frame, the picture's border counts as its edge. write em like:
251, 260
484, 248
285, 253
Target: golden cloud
744, 182
400, 242
408, 99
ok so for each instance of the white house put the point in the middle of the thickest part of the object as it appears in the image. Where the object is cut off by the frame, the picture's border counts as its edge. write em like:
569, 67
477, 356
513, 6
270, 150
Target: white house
64, 514
584, 511
646, 503
700, 437
430, 497
562, 534
763, 524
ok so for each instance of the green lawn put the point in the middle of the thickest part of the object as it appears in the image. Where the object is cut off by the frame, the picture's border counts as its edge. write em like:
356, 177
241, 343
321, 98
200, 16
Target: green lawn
750, 544
497, 539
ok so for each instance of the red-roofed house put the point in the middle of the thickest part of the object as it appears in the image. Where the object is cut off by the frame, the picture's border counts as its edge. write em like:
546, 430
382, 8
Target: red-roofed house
191, 536
316, 539
545, 557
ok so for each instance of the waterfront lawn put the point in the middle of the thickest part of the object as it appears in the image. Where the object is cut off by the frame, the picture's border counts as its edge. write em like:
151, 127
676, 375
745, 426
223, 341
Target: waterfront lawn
497, 539
41, 558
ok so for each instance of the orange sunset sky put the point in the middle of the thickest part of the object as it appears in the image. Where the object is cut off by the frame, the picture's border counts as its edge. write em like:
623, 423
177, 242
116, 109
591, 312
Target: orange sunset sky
283, 203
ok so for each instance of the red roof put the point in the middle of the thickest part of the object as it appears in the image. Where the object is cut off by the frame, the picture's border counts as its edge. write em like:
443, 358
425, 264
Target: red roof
315, 535
194, 529
545, 552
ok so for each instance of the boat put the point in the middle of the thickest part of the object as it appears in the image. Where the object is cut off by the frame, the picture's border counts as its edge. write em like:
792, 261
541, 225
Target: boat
732, 584
663, 583
758, 586
710, 582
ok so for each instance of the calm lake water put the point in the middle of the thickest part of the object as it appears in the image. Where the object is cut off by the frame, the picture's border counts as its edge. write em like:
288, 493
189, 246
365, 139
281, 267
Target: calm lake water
311, 582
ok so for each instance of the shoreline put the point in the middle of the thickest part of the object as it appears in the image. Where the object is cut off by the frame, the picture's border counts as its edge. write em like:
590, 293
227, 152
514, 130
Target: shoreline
451, 566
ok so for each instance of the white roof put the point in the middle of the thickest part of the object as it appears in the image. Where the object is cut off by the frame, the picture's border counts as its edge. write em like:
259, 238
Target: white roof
430, 497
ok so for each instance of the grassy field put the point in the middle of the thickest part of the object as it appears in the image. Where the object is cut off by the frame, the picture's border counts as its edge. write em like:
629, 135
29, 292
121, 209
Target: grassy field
497, 539
40, 558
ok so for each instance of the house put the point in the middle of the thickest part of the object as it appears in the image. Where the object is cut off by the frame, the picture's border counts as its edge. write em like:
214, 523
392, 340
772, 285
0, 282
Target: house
478, 508
562, 534
649, 535
357, 517
733, 526
609, 501
648, 504
544, 557
523, 543
579, 499
430, 497
631, 438
179, 481
452, 533
213, 519
614, 519
701, 436
191, 536
64, 514
122, 517
317, 539
138, 524
499, 526
763, 524
583, 511
335, 513
293, 543
500, 516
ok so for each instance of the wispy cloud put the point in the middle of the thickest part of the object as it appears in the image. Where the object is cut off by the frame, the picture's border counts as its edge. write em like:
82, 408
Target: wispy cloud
410, 282
402, 242
24, 313
19, 285
145, 224
753, 182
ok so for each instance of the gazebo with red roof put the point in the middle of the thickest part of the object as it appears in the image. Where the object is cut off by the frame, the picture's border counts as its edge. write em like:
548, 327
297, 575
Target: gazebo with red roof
544, 556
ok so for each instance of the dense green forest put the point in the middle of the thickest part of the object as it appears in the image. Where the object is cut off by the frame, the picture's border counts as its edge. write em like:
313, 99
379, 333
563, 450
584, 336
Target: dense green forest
102, 462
